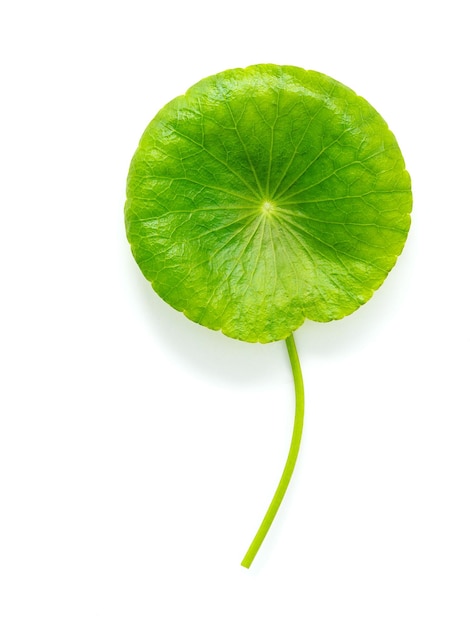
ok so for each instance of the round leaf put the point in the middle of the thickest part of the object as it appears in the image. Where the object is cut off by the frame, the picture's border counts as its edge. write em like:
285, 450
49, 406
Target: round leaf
265, 196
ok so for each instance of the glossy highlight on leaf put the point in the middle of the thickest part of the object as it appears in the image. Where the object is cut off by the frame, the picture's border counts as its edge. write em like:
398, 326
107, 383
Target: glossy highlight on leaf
265, 196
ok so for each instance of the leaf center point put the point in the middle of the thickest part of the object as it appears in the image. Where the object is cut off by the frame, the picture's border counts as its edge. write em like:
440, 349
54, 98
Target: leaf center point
268, 207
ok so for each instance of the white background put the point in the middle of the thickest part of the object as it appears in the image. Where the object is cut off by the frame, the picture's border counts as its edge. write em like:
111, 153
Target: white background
138, 451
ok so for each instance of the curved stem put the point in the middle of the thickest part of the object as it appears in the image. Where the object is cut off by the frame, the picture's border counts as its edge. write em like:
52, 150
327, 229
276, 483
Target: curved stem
291, 457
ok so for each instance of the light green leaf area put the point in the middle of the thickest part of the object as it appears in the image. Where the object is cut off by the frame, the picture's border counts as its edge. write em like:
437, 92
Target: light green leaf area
265, 196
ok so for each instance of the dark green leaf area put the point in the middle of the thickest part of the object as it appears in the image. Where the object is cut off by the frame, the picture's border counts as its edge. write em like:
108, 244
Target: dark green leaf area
265, 196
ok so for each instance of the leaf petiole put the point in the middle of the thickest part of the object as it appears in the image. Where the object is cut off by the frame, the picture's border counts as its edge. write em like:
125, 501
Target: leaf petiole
291, 457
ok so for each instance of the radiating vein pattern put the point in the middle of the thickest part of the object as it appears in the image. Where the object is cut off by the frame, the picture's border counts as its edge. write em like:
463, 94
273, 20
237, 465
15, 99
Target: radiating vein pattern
265, 196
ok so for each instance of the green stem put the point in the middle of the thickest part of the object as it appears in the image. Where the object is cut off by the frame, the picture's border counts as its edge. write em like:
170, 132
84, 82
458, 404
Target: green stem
291, 457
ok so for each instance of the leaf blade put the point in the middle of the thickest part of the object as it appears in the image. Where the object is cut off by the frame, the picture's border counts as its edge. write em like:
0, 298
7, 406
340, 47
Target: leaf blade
265, 196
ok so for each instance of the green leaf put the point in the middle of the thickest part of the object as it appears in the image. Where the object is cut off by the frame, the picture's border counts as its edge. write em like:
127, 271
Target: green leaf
262, 197
265, 196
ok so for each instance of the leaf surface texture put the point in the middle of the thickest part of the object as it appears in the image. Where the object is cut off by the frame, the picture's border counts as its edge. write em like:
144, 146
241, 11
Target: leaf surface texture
265, 196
